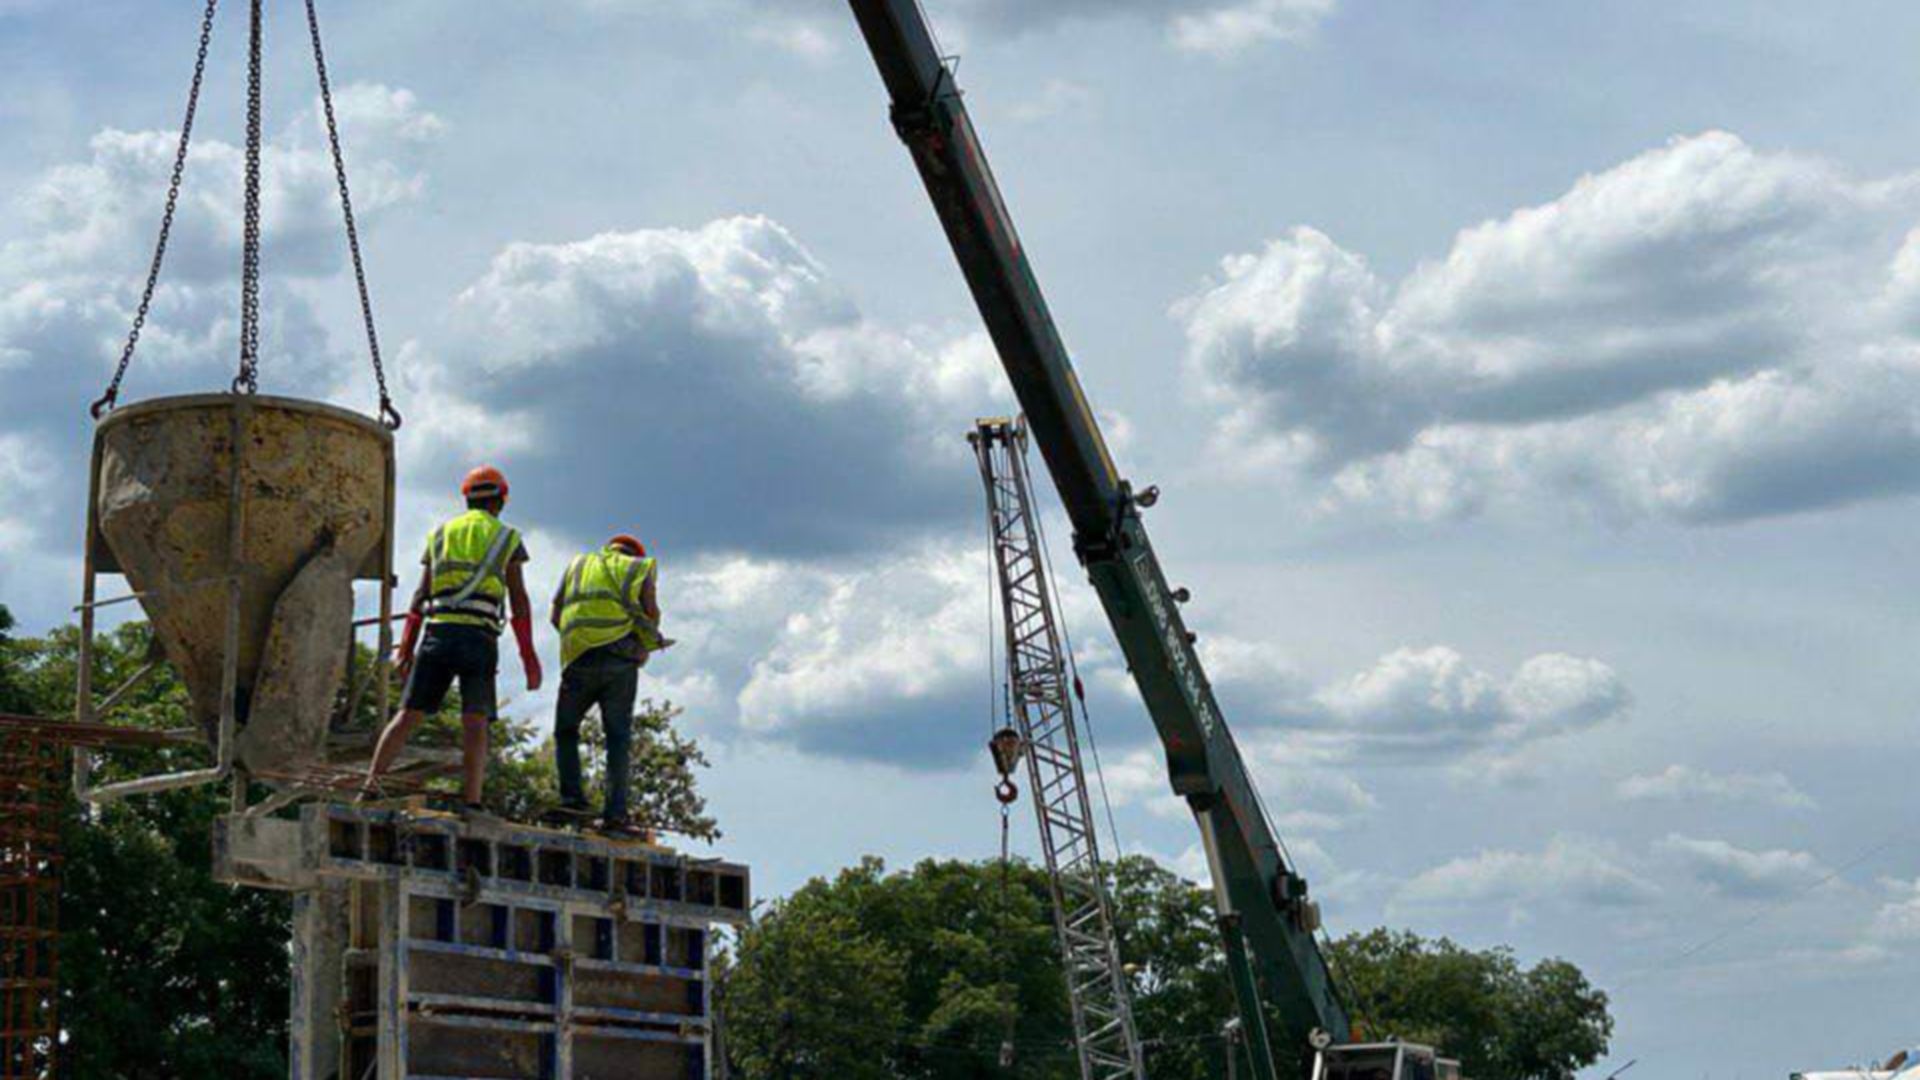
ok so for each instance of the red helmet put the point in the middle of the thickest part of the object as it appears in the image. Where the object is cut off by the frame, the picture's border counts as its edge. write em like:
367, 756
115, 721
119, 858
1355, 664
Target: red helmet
484, 482
630, 544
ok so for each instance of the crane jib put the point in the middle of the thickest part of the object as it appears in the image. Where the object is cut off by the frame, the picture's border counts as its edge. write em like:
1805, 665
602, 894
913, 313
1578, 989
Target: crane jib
1267, 922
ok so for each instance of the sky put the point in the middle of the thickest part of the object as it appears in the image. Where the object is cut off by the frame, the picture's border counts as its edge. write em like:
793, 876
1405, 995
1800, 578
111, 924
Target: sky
1535, 392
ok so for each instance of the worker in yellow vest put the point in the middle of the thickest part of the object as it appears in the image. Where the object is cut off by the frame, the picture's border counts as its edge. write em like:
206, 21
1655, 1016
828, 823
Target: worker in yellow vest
607, 610
471, 572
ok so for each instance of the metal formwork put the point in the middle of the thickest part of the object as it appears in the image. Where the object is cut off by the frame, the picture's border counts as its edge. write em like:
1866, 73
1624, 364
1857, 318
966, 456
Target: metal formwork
429, 947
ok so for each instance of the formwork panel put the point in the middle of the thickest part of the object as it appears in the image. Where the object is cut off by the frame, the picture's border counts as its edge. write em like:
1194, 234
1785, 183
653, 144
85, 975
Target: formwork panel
494, 951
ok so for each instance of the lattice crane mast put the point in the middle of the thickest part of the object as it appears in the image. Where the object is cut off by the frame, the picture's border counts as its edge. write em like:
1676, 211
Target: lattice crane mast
1039, 690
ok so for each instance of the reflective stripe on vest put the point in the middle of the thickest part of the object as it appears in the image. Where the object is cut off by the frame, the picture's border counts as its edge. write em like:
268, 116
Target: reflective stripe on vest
466, 561
600, 603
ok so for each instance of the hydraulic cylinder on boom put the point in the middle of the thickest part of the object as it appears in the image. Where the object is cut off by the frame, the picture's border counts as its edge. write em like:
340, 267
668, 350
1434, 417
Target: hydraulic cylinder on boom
1266, 920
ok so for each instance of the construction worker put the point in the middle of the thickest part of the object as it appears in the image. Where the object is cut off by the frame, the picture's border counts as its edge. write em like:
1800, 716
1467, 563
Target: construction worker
607, 610
471, 571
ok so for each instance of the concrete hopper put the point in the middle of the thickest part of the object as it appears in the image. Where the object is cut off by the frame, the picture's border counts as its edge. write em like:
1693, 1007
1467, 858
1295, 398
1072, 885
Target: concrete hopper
241, 523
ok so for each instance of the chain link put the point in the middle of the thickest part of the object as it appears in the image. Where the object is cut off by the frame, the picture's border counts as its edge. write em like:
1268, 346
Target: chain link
388, 414
248, 380
106, 400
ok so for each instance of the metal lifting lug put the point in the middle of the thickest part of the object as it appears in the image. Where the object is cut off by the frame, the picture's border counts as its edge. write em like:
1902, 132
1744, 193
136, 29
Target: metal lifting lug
1182, 595
1146, 499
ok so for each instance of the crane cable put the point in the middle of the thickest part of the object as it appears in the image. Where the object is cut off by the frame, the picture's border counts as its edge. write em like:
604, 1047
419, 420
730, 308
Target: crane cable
247, 379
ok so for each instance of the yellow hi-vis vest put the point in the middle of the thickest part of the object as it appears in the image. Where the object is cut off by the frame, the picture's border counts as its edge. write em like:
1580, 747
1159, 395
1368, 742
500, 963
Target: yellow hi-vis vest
600, 603
466, 565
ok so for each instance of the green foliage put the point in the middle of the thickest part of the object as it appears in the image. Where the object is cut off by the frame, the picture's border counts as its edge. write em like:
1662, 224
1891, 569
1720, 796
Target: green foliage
164, 973
815, 998
974, 952
664, 792
979, 966
13, 696
1503, 1021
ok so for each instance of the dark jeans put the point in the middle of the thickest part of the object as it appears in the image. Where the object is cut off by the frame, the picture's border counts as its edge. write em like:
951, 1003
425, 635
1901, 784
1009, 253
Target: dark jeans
604, 678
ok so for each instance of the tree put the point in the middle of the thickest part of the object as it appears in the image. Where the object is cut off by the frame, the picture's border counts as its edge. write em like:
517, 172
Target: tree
813, 997
166, 973
664, 792
975, 949
1503, 1021
13, 697
980, 967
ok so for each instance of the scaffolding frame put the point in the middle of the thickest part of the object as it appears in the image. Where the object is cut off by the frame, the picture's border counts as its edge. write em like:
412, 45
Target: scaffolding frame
33, 802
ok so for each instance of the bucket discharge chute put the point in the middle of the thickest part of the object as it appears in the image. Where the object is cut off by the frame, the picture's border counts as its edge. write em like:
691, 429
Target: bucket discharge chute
241, 523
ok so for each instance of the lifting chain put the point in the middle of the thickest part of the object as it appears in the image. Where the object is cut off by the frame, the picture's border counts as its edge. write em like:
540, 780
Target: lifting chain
388, 414
106, 400
248, 380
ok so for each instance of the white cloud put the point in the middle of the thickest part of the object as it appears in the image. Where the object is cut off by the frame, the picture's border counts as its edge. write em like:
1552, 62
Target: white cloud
659, 367
1680, 336
1898, 920
882, 657
1739, 872
1569, 870
1680, 783
1213, 27
78, 240
1233, 28
1430, 704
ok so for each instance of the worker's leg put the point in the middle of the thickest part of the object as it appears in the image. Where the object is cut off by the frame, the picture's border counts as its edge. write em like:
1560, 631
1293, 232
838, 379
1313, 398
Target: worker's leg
473, 756
479, 664
392, 738
576, 698
616, 719
426, 689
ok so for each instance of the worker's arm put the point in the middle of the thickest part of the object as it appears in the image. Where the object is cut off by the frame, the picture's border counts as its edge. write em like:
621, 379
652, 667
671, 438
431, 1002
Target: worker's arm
522, 609
559, 593
416, 617
650, 596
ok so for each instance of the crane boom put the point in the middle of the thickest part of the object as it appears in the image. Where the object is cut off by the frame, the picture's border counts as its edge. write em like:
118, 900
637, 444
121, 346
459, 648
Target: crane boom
1262, 900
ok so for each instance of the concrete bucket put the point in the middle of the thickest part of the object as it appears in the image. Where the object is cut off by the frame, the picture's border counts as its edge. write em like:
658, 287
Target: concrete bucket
241, 523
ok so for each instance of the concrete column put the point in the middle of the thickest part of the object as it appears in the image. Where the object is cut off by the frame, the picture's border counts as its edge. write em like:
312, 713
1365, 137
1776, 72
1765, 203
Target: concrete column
319, 948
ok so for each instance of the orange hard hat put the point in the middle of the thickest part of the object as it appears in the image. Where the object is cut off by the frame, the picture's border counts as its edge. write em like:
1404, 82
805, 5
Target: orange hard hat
632, 544
484, 482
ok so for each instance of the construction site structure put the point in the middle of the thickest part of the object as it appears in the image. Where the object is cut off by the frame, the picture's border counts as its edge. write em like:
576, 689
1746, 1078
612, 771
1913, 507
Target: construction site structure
34, 754
1040, 695
429, 946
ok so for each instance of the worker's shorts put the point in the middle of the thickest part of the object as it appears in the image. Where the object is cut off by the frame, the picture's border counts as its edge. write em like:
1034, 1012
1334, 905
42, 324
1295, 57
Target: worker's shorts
470, 654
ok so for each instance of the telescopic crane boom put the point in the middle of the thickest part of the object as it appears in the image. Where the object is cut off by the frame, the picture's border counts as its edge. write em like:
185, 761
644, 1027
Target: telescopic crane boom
1266, 920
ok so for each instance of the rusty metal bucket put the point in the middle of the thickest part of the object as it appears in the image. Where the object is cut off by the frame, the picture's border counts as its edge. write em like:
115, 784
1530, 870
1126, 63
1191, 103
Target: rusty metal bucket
241, 524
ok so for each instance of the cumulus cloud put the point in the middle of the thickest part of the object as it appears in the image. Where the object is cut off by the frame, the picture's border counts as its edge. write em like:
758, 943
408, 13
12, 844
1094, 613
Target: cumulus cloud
1214, 27
1304, 798
1682, 783
1569, 870
1739, 872
1427, 704
880, 658
717, 371
1898, 920
1706, 332
79, 240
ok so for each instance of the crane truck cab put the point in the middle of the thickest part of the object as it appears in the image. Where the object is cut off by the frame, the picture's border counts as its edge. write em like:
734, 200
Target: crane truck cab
1383, 1061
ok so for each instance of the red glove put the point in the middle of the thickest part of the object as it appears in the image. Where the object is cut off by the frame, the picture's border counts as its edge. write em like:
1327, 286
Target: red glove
529, 659
409, 637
